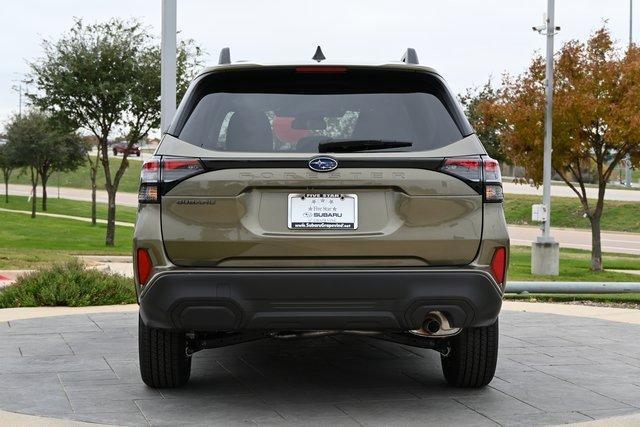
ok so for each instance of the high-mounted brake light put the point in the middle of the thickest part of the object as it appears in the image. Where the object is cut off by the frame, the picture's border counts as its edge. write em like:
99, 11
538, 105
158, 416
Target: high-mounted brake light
499, 264
321, 69
144, 265
159, 175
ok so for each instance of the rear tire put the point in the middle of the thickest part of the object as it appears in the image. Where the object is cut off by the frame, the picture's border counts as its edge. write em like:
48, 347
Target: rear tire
163, 359
473, 357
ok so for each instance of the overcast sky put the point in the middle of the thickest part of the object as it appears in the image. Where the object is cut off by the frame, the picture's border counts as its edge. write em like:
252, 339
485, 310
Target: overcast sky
466, 40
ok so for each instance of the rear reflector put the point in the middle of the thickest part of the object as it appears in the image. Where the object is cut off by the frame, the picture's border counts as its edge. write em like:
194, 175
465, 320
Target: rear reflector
143, 266
499, 264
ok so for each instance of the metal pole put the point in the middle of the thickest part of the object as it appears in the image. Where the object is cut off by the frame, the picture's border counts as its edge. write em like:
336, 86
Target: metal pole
546, 173
627, 159
168, 48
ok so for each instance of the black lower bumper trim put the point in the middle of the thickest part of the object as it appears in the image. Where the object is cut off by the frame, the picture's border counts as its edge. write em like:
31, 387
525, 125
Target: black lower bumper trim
306, 299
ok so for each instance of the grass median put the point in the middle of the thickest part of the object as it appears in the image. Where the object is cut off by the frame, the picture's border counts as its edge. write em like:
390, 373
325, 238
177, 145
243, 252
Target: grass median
574, 266
632, 299
27, 243
567, 212
70, 207
79, 178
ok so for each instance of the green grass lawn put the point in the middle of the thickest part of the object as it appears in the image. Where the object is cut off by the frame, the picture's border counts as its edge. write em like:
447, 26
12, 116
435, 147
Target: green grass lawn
30, 243
633, 298
574, 266
567, 212
80, 177
69, 207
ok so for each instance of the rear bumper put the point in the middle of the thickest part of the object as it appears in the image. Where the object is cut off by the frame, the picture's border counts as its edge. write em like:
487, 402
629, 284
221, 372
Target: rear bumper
317, 299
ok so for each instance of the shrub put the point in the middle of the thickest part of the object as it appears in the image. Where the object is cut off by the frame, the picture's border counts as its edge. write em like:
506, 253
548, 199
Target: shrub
68, 284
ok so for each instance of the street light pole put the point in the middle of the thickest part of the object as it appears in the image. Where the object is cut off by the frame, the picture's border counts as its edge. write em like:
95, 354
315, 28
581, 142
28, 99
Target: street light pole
545, 253
168, 51
627, 159
548, 126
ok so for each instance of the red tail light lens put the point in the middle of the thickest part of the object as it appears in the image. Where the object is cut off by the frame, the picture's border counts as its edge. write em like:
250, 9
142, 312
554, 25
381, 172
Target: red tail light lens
174, 169
492, 170
499, 264
466, 168
144, 265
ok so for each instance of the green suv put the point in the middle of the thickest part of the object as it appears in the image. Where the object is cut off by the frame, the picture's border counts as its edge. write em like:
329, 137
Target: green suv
305, 200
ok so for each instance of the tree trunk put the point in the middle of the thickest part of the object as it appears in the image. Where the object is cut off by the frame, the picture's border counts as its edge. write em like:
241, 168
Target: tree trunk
94, 214
94, 187
596, 244
6, 185
44, 192
34, 188
111, 216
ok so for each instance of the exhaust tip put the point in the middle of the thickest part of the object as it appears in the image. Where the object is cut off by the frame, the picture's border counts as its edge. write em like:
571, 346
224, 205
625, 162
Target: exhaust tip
431, 325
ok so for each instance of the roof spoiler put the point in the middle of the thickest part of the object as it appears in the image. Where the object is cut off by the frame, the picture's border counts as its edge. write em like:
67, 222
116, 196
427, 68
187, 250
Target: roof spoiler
410, 56
225, 56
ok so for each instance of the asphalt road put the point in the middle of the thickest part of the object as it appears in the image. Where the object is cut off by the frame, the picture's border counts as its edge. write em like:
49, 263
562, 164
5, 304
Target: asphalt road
520, 235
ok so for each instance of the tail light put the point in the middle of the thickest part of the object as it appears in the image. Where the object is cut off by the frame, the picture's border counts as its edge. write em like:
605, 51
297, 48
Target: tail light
499, 264
469, 169
481, 173
159, 175
492, 181
143, 266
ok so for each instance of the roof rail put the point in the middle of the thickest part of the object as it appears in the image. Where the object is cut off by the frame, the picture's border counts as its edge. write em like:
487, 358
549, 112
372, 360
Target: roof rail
225, 56
410, 56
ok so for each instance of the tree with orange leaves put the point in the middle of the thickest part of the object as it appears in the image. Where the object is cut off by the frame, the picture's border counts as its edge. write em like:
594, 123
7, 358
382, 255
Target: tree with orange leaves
596, 119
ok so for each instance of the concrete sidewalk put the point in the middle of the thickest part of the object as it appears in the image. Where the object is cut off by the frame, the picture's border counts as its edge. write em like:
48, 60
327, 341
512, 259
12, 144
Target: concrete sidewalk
80, 194
563, 190
76, 218
83, 367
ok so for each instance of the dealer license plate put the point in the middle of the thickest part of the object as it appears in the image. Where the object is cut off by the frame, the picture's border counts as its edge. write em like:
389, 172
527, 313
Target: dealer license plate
323, 211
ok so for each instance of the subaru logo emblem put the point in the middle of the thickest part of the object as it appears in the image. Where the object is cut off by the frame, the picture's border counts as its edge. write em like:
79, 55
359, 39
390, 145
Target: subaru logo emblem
323, 164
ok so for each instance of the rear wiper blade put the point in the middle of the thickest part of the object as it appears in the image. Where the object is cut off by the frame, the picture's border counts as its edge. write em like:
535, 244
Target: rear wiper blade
353, 145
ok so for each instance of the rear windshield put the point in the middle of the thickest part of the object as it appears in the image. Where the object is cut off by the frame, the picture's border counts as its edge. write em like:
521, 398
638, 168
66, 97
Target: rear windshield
284, 110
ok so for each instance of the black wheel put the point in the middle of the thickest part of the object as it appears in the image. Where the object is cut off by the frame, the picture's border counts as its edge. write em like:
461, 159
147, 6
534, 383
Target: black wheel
115, 152
163, 359
473, 357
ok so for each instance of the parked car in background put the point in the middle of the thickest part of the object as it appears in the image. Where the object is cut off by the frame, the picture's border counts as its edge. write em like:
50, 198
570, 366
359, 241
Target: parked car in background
121, 147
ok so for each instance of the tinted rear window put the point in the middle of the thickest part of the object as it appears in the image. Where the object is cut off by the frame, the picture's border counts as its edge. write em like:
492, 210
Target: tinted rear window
281, 110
